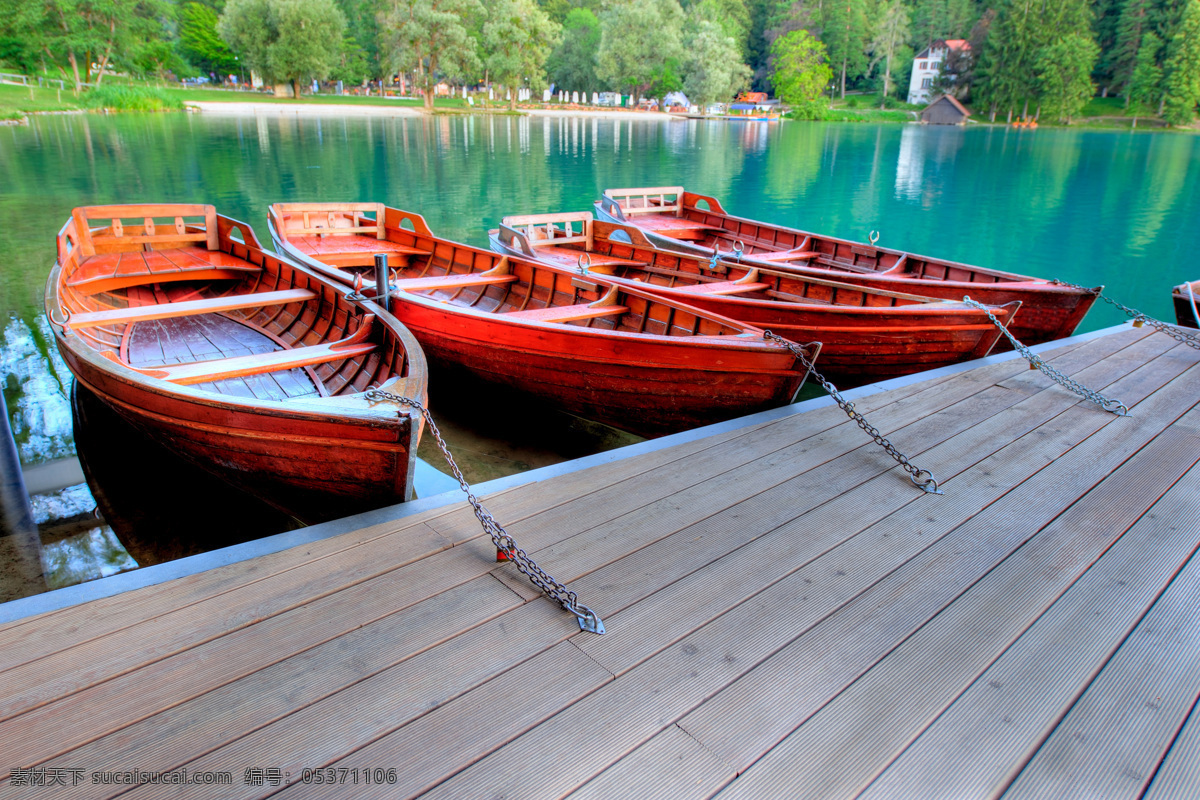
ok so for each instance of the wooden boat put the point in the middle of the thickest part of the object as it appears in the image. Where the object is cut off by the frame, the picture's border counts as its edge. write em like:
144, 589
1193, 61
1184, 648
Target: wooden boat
249, 366
616, 354
865, 334
695, 223
1186, 297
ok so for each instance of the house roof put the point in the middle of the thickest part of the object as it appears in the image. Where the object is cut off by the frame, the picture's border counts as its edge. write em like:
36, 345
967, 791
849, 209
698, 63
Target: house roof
953, 102
950, 44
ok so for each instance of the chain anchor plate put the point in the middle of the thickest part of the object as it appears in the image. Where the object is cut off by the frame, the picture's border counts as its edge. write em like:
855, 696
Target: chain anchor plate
921, 478
588, 620
1038, 363
1139, 319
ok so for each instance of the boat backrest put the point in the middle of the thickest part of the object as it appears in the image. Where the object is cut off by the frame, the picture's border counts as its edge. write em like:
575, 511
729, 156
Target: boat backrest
542, 230
159, 226
648, 200
328, 219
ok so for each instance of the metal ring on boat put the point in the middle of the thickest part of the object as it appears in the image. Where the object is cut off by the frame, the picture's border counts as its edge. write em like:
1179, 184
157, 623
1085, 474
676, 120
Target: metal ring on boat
873, 238
585, 263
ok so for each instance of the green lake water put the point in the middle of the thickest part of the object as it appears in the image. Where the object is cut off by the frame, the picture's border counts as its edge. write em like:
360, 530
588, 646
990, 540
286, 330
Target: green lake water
1120, 209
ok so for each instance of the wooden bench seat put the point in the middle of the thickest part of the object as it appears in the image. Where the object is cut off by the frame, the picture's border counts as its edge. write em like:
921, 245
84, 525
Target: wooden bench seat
786, 255
723, 287
261, 363
570, 257
567, 313
496, 275
188, 308
108, 271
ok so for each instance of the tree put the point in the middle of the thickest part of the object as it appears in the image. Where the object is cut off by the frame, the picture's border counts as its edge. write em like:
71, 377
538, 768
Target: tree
891, 32
1131, 26
712, 67
733, 17
519, 36
1145, 85
1064, 71
199, 42
284, 40
845, 29
572, 65
801, 73
637, 40
430, 38
1182, 69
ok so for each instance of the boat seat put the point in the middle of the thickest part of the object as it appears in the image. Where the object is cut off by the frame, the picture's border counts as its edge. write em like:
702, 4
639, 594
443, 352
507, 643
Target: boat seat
108, 271
785, 255
188, 308
570, 257
566, 313
723, 287
456, 280
261, 363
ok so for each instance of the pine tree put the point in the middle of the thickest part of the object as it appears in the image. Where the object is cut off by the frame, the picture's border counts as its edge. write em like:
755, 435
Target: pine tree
1182, 69
1145, 86
845, 31
1131, 27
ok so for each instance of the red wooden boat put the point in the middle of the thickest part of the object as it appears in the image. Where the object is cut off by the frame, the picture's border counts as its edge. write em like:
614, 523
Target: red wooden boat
866, 334
247, 365
616, 354
696, 223
1186, 298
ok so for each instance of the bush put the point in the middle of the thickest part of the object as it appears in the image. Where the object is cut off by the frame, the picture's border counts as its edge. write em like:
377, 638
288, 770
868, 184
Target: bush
130, 98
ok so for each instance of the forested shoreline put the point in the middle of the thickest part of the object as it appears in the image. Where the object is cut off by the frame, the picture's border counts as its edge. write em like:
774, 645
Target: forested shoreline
1012, 58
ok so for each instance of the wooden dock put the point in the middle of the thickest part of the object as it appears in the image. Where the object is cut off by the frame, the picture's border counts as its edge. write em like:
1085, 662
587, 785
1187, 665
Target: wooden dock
787, 618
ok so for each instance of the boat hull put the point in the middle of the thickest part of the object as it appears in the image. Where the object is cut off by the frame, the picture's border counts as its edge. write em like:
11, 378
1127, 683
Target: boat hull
1048, 311
642, 382
1186, 299
316, 458
860, 342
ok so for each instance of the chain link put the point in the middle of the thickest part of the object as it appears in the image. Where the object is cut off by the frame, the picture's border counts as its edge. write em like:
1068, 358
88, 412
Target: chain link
504, 543
1036, 361
927, 483
1175, 332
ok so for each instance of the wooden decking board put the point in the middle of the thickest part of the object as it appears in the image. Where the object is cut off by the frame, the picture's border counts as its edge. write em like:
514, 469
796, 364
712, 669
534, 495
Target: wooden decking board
861, 731
365, 711
750, 500
671, 765
872, 508
67, 671
723, 452
108, 706
179, 735
666, 681
706, 545
919, 522
1021, 697
1179, 774
1113, 739
433, 747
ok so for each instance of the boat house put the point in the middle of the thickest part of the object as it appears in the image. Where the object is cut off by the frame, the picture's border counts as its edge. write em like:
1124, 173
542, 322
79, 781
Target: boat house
945, 111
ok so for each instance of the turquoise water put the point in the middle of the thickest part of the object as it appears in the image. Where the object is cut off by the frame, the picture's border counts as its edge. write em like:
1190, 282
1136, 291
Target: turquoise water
1119, 209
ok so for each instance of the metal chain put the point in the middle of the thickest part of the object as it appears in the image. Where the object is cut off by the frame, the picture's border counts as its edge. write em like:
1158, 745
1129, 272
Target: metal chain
588, 620
1036, 362
929, 484
1176, 333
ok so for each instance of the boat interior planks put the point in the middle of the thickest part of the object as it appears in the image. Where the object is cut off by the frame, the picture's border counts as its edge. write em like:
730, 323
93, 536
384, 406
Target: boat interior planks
786, 615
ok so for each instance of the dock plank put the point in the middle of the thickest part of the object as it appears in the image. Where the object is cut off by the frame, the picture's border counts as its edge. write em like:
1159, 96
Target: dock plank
859, 730
1113, 739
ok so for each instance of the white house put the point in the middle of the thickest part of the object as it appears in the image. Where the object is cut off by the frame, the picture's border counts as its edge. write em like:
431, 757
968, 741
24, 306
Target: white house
926, 66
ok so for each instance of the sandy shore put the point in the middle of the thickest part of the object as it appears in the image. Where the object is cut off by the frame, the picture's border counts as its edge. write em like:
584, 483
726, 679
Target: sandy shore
336, 110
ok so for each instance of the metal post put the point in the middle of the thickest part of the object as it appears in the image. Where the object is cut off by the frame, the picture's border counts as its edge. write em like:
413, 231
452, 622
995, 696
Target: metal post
382, 282
20, 544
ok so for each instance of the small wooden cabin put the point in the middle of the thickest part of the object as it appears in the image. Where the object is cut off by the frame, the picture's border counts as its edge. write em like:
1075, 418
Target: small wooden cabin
945, 111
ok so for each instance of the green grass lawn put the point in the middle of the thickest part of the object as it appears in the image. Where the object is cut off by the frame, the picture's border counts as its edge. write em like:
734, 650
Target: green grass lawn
15, 101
